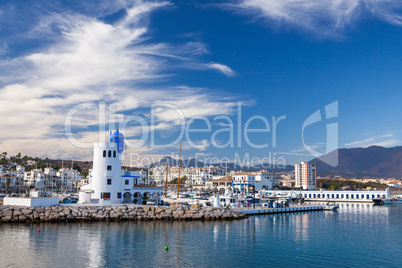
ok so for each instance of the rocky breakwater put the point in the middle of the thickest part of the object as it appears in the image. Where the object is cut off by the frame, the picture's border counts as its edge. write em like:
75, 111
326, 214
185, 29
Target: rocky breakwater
114, 213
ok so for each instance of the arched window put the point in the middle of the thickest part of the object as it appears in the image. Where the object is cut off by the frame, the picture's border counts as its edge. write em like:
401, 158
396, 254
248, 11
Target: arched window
114, 154
109, 154
104, 153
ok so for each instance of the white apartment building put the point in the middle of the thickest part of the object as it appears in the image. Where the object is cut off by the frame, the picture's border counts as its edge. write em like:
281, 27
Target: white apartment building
195, 176
31, 177
20, 170
265, 180
68, 177
14, 181
306, 176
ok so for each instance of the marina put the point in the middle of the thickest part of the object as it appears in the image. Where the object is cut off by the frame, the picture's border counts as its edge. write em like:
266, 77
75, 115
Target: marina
305, 239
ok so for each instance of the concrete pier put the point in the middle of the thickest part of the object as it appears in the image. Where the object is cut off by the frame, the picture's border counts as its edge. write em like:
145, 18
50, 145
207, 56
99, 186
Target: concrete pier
294, 208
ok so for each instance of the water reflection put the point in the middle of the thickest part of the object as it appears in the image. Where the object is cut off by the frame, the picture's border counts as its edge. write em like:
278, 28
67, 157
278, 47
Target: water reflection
277, 240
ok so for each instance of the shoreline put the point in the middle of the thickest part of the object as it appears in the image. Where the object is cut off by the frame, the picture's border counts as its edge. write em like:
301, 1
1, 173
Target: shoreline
14, 214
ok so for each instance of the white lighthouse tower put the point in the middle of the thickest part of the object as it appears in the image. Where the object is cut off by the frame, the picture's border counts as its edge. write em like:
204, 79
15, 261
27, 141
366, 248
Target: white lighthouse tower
107, 186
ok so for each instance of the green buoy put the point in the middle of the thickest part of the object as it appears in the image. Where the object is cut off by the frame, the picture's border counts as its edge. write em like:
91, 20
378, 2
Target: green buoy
166, 248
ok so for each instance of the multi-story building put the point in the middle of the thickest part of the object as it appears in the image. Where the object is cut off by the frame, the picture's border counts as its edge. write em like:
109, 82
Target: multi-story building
31, 177
12, 181
68, 177
265, 180
306, 176
194, 176
242, 181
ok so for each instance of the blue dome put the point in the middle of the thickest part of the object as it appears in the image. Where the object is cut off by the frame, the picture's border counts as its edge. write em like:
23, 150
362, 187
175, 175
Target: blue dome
118, 138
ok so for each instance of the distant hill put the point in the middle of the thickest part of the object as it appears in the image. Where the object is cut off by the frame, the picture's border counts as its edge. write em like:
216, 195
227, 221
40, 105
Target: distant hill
372, 161
192, 162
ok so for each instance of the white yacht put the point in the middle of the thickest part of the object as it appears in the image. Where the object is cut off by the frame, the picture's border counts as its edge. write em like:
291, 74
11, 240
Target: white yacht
396, 199
331, 206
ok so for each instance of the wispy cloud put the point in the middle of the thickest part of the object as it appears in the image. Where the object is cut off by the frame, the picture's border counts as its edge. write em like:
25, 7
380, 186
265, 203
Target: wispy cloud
326, 17
222, 68
314, 146
88, 60
385, 140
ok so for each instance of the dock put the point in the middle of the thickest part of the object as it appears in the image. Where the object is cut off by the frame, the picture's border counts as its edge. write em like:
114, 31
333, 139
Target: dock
291, 209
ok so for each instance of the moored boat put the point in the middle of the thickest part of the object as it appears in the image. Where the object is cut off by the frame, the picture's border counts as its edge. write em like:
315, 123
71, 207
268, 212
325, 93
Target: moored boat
378, 201
331, 206
393, 200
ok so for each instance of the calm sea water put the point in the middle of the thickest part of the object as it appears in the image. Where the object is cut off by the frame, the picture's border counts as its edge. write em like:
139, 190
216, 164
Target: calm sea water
358, 235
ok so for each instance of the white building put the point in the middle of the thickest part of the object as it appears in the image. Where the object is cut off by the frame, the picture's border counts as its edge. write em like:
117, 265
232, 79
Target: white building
14, 181
219, 182
20, 170
265, 180
1, 170
242, 181
109, 184
194, 176
31, 177
306, 176
68, 177
344, 196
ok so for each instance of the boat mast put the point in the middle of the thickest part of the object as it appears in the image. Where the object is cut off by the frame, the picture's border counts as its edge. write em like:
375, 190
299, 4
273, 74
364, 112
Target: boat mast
167, 171
226, 173
178, 181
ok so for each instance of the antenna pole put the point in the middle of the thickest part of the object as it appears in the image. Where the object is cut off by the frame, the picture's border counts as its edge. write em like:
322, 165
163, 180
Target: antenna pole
178, 181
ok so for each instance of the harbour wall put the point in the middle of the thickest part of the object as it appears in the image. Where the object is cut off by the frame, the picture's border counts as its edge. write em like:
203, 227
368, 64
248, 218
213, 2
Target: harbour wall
280, 210
113, 213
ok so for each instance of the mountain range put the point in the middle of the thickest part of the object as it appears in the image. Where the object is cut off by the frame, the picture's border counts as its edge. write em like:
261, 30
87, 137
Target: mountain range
374, 161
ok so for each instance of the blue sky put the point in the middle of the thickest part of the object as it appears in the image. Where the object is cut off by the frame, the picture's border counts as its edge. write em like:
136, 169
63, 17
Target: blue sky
278, 58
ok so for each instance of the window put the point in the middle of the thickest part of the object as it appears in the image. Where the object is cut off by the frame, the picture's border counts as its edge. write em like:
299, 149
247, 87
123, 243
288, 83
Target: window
347, 196
109, 154
105, 195
337, 195
126, 182
352, 196
119, 195
109, 181
109, 168
368, 196
114, 154
333, 196
104, 153
341, 195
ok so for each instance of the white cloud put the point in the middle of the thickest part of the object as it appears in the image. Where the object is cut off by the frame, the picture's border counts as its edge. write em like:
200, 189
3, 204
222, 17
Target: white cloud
327, 17
91, 61
385, 140
222, 68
